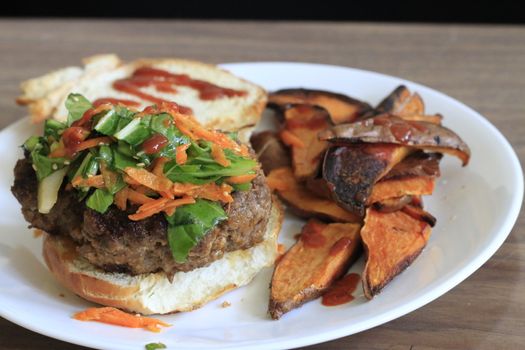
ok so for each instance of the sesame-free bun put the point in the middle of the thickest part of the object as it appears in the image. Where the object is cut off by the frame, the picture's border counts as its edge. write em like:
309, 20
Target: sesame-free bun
46, 95
154, 293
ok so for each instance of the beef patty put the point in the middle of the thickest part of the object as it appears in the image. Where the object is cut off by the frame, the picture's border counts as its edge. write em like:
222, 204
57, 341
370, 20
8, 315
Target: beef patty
116, 244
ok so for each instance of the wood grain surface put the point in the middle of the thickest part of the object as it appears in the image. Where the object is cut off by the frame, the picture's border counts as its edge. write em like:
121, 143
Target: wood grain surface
483, 66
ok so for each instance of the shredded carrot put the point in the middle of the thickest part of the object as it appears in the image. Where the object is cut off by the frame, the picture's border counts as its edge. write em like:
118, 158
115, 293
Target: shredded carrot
170, 211
148, 209
137, 197
96, 181
157, 183
241, 179
158, 166
92, 143
59, 151
117, 317
127, 179
210, 191
214, 192
244, 150
184, 128
191, 128
144, 190
290, 139
218, 155
121, 198
178, 202
181, 156
161, 204
180, 189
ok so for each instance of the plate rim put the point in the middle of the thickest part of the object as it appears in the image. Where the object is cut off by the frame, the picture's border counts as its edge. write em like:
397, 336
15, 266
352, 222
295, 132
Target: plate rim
427, 295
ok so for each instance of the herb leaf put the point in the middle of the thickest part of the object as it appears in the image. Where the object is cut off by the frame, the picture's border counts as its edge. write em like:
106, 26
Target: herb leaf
76, 105
190, 223
155, 346
100, 200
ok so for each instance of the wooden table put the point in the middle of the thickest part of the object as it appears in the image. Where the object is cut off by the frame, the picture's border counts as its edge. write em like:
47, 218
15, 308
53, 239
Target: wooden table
483, 66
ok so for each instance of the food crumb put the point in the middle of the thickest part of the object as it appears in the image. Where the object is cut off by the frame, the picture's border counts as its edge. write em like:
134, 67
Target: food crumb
37, 233
155, 346
62, 295
225, 304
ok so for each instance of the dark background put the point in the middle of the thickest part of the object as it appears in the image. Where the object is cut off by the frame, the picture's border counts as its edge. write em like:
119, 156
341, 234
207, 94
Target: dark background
444, 11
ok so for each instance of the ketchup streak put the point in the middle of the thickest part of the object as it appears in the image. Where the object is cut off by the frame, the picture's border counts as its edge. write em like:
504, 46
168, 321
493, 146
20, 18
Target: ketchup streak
154, 144
164, 81
311, 235
341, 291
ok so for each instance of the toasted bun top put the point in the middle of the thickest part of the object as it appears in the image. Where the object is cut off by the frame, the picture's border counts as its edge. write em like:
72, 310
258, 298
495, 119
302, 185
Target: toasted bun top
46, 95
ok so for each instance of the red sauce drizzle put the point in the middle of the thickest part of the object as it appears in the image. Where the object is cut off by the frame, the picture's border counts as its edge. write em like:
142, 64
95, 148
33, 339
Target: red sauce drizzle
311, 235
382, 120
401, 131
115, 101
154, 144
380, 150
165, 81
417, 125
340, 245
341, 291
72, 137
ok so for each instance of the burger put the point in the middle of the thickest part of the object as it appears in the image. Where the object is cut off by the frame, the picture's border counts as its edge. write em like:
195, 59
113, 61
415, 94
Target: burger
146, 209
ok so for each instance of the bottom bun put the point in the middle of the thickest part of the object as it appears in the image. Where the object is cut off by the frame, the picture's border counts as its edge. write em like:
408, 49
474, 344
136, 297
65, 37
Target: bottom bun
153, 293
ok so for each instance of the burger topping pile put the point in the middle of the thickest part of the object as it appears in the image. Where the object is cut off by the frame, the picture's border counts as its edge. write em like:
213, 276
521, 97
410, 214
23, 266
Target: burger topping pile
158, 160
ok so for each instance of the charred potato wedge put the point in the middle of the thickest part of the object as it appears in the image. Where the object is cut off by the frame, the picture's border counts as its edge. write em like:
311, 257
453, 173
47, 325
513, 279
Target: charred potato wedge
388, 128
270, 151
418, 213
342, 108
416, 164
402, 102
392, 204
302, 202
304, 122
398, 187
392, 241
321, 255
318, 186
406, 105
352, 171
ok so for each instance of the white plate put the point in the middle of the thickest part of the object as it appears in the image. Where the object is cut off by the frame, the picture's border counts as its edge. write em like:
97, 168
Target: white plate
476, 208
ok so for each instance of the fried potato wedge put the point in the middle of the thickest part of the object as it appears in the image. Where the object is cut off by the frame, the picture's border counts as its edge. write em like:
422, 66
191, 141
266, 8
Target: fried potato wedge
416, 164
402, 103
398, 187
388, 128
351, 171
321, 255
302, 202
318, 186
305, 122
392, 204
392, 241
418, 213
429, 118
270, 151
342, 108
